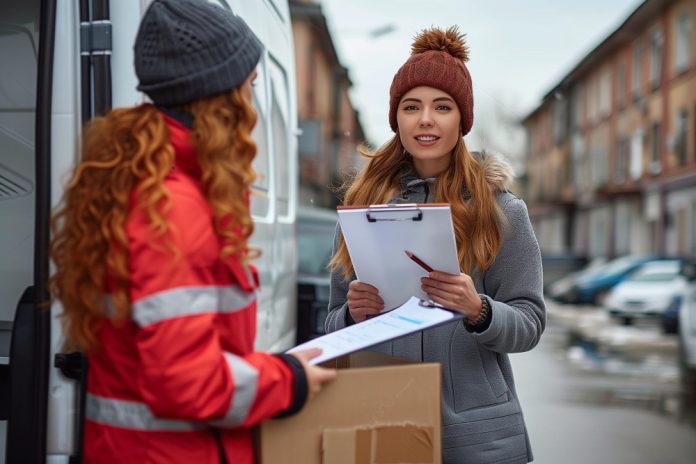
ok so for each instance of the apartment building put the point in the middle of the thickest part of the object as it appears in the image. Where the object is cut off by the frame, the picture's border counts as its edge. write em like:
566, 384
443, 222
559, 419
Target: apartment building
329, 124
611, 148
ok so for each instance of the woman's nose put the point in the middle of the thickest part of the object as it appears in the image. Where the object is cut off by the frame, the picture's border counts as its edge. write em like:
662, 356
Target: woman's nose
425, 119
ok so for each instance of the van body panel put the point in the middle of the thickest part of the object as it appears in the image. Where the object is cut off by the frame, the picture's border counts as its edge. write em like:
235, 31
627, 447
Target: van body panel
273, 206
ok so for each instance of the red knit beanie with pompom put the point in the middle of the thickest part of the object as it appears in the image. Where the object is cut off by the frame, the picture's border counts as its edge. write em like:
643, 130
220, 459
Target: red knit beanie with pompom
437, 60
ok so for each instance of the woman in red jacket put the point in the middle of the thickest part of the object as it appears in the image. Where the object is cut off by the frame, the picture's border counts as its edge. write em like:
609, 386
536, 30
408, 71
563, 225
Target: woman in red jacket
151, 255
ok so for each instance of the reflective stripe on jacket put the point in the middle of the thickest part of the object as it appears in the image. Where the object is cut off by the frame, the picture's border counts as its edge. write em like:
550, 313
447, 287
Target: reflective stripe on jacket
184, 365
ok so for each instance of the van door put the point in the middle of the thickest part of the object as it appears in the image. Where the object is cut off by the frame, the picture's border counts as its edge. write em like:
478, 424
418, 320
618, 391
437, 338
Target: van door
262, 204
284, 245
26, 54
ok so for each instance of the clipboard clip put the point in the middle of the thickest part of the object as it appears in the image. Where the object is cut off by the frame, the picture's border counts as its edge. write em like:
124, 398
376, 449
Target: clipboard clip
431, 304
394, 212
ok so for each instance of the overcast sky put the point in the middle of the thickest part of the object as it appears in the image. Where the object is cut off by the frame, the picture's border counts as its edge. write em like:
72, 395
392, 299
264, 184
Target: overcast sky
518, 50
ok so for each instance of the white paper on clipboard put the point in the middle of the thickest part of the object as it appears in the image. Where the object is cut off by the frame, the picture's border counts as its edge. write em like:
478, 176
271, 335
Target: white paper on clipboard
412, 316
378, 235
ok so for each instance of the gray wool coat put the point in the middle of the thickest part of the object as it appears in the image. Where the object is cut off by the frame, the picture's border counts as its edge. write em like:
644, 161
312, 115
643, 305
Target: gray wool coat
482, 417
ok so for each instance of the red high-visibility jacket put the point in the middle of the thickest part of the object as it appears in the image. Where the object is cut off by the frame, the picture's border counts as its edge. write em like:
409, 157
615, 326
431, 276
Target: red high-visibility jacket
180, 382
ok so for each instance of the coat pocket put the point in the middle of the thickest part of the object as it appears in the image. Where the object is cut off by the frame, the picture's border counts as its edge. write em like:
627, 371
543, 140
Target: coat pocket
511, 449
477, 380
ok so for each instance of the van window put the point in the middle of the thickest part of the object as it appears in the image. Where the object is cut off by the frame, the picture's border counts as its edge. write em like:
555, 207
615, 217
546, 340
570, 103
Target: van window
19, 39
260, 196
281, 151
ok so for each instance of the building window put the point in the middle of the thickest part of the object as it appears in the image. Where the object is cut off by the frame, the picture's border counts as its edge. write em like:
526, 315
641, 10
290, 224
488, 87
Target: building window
621, 160
636, 167
655, 165
683, 49
681, 141
656, 46
560, 119
621, 83
605, 93
590, 98
577, 153
622, 224
600, 168
636, 82
576, 108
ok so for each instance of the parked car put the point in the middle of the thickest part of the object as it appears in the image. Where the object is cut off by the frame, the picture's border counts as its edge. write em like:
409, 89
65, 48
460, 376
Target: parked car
562, 289
686, 328
669, 319
687, 342
315, 232
647, 292
557, 267
593, 286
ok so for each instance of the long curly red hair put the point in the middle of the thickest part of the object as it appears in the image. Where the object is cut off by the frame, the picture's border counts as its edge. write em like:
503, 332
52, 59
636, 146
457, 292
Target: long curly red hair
130, 148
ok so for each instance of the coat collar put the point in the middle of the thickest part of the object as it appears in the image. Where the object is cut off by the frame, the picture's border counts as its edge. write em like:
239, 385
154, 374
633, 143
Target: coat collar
499, 174
180, 138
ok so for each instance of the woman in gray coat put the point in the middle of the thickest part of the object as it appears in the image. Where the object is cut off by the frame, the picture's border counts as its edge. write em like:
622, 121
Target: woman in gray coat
499, 289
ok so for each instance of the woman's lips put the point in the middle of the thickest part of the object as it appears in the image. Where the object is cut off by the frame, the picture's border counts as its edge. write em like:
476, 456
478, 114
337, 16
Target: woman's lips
426, 140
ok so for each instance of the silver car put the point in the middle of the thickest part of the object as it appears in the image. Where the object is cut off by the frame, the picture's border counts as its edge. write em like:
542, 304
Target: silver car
687, 339
647, 292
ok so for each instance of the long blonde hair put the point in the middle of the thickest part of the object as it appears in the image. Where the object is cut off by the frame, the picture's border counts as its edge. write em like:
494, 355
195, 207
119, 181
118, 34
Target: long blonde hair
477, 228
130, 148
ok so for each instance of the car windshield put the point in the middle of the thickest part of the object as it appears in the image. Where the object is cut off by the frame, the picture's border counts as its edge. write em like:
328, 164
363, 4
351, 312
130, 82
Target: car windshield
618, 265
315, 242
655, 277
664, 272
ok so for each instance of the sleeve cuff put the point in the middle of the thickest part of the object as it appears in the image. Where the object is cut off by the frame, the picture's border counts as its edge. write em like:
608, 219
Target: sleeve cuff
348, 319
483, 326
300, 389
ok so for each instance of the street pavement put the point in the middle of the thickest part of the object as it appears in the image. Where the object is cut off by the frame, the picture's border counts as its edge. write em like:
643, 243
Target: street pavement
594, 391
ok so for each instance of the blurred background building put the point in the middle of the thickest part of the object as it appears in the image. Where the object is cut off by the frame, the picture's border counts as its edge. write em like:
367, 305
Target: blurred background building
611, 148
331, 129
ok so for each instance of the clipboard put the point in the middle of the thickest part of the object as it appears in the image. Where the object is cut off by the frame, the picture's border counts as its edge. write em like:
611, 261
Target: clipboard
378, 235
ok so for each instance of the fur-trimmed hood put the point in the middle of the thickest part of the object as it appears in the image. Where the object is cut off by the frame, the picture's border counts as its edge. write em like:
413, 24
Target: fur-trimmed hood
499, 173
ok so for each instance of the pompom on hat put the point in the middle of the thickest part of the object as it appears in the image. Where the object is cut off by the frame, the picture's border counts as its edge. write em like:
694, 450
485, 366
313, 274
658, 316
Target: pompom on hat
190, 49
438, 59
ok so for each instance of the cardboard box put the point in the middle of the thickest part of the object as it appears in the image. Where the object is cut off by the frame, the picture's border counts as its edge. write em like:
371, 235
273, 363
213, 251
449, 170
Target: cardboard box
380, 409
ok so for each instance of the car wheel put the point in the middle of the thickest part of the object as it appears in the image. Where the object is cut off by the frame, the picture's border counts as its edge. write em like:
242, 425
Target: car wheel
687, 373
670, 326
600, 297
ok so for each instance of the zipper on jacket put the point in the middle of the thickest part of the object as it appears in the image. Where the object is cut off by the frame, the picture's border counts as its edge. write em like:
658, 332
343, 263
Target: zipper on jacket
427, 192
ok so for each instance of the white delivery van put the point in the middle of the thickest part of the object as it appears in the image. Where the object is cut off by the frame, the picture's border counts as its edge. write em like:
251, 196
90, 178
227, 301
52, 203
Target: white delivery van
63, 61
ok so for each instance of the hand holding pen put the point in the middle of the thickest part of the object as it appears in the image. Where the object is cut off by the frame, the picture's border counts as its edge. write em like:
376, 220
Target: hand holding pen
418, 261
450, 290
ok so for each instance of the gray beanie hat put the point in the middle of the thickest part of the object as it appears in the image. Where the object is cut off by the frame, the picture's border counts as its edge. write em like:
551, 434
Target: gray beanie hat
190, 49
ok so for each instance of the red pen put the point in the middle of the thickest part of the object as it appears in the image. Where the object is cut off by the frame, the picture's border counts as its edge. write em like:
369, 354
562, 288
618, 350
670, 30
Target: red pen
418, 261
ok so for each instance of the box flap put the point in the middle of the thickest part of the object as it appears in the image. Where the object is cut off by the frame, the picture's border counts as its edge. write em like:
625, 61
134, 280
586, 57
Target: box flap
367, 358
383, 444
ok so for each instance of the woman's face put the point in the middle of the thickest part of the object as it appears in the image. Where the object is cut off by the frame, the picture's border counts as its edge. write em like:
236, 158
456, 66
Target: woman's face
247, 86
428, 121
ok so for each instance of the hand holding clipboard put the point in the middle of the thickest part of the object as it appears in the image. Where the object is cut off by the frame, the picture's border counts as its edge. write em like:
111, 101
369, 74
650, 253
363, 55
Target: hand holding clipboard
377, 237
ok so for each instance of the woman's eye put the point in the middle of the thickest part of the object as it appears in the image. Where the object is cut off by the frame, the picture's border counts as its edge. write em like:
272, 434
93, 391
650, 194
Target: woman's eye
443, 108
410, 107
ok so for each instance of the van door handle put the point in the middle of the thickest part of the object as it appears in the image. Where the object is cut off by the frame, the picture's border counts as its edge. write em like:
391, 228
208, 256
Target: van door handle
72, 365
